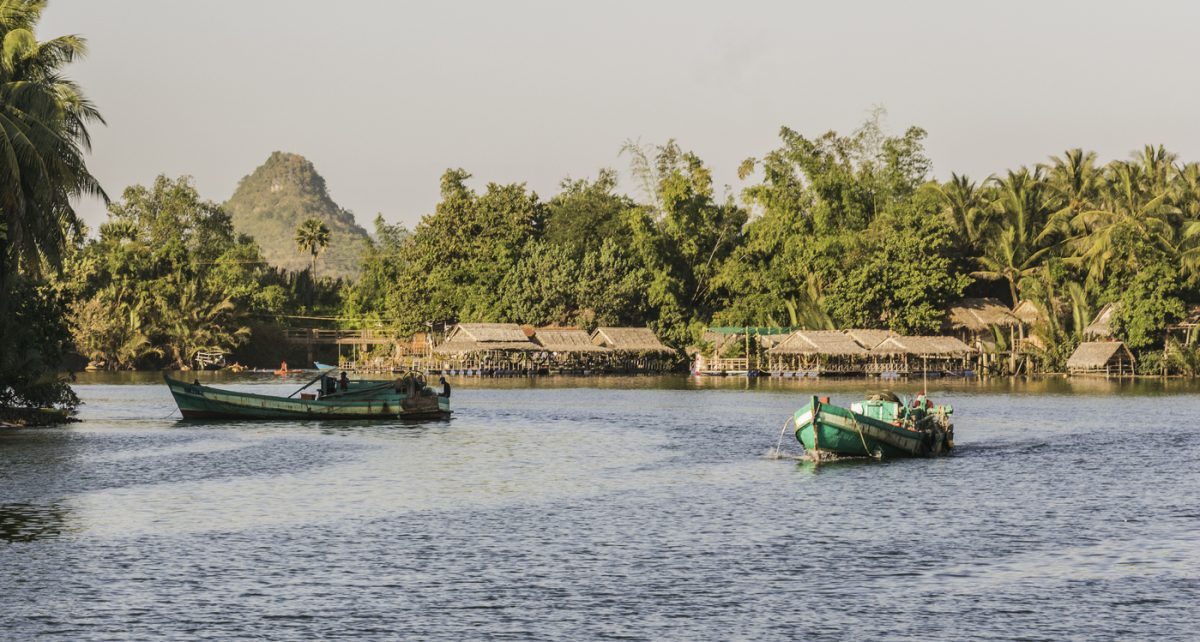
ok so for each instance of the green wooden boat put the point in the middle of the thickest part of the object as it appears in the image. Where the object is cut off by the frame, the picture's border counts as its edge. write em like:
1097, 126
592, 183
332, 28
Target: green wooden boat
882, 426
404, 398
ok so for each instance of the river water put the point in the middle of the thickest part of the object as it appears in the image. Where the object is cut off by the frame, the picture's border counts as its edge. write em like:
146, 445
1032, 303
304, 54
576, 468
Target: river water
631, 508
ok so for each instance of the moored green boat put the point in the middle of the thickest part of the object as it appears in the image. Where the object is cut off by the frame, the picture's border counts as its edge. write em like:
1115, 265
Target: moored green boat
882, 426
404, 398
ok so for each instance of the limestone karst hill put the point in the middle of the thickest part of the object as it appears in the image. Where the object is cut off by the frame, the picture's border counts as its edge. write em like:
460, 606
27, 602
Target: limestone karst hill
277, 197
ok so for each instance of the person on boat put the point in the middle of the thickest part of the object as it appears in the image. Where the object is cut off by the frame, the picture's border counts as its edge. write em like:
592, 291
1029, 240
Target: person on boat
445, 387
344, 382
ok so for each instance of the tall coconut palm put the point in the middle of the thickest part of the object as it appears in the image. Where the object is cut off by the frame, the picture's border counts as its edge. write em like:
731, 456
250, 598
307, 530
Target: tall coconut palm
1021, 209
44, 118
312, 236
966, 206
1158, 166
1185, 197
1075, 181
1185, 191
1129, 221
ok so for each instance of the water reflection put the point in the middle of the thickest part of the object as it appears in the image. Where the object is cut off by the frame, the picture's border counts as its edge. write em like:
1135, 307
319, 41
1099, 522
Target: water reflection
29, 522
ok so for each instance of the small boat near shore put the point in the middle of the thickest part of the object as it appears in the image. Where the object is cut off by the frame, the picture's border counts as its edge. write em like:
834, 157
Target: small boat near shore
881, 426
406, 397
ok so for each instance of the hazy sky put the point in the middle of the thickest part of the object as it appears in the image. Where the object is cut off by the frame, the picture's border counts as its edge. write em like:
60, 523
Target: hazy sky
383, 96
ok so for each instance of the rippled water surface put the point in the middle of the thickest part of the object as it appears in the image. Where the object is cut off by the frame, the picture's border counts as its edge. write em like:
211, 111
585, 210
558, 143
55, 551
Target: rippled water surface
637, 508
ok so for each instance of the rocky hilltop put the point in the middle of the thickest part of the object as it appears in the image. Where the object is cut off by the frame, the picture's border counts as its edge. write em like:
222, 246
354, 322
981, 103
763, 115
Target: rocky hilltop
276, 198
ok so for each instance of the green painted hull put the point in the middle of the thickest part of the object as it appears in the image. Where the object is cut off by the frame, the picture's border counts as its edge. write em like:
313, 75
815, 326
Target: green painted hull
197, 401
838, 431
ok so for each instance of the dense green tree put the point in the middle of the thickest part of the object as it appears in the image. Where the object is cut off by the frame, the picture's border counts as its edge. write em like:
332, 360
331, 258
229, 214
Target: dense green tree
1148, 304
452, 265
612, 288
899, 274
382, 267
851, 179
543, 288
585, 213
683, 243
166, 277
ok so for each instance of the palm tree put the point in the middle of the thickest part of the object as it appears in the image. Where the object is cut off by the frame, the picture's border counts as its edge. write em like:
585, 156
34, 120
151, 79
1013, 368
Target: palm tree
1185, 190
197, 321
43, 138
1022, 211
1157, 166
1076, 182
312, 236
966, 206
1129, 220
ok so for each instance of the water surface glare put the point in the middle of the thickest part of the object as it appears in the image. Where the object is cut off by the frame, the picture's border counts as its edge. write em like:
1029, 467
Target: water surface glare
592, 508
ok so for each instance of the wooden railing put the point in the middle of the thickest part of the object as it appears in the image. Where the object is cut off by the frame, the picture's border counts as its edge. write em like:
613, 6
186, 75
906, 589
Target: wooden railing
318, 335
728, 364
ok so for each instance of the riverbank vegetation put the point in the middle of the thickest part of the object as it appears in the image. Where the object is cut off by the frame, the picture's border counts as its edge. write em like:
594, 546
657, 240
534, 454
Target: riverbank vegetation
834, 230
44, 120
831, 231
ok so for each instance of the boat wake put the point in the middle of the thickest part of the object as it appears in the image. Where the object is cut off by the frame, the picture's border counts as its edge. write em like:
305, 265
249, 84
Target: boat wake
775, 454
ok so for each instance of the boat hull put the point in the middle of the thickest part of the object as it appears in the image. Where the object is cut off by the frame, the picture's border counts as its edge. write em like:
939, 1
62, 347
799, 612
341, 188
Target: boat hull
824, 429
197, 401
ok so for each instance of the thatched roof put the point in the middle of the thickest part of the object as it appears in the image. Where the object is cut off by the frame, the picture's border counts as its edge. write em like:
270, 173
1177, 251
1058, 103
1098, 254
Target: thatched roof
924, 346
629, 340
718, 340
1097, 354
826, 342
768, 341
869, 338
1028, 312
480, 337
1101, 326
980, 314
565, 340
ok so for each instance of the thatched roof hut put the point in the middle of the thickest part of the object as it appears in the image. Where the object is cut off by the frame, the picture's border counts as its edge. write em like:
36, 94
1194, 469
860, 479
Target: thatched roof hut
639, 340
482, 337
869, 338
819, 342
1027, 312
566, 340
718, 340
978, 315
1101, 356
1101, 326
768, 341
923, 347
